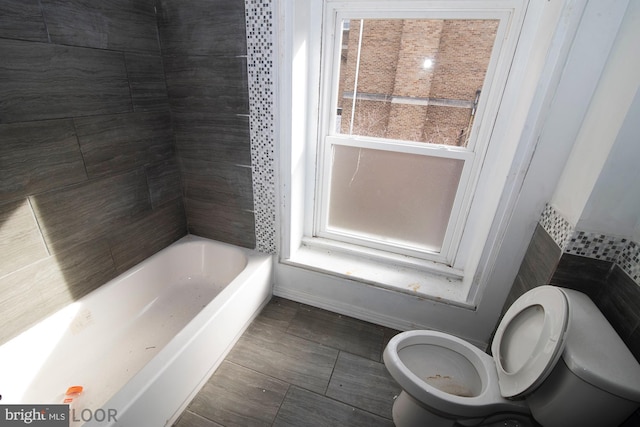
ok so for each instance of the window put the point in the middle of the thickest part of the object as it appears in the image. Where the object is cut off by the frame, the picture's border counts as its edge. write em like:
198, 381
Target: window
395, 147
408, 100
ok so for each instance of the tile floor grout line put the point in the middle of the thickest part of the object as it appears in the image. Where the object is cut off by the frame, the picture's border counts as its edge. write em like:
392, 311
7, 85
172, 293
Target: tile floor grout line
281, 403
344, 403
333, 369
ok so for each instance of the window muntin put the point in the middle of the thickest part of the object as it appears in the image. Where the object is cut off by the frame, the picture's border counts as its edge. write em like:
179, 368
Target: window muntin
467, 146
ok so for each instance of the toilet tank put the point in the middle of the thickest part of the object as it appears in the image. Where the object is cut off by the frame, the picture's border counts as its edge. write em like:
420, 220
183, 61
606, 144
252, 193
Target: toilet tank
596, 382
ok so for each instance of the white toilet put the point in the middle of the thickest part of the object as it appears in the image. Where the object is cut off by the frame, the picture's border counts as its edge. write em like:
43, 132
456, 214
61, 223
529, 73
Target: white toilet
556, 359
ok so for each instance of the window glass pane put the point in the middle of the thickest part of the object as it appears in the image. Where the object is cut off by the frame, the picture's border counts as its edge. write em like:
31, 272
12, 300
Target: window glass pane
392, 197
413, 79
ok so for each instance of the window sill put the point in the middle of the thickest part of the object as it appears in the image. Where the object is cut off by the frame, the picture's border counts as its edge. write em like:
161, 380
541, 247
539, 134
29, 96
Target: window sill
424, 279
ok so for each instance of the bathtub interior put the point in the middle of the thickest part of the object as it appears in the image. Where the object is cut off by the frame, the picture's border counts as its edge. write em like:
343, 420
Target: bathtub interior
106, 337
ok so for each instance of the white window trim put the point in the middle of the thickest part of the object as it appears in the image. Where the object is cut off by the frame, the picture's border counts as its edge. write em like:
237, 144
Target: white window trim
298, 123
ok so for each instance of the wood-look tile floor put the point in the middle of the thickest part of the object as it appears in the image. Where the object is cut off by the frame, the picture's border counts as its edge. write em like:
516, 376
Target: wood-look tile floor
298, 365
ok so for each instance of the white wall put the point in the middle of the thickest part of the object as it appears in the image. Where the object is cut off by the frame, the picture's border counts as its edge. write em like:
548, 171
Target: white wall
613, 207
598, 189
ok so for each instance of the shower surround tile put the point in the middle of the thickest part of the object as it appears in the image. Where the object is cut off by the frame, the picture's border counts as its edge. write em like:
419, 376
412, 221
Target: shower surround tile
135, 241
21, 243
38, 156
207, 84
212, 137
121, 196
22, 19
220, 222
123, 142
218, 182
164, 182
45, 81
123, 25
205, 63
147, 83
202, 27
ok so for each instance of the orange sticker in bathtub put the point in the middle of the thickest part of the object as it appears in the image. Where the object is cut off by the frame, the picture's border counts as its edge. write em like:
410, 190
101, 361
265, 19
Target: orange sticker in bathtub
75, 389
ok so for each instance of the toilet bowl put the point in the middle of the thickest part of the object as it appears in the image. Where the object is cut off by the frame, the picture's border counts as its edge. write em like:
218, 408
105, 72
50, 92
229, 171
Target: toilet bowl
445, 376
447, 381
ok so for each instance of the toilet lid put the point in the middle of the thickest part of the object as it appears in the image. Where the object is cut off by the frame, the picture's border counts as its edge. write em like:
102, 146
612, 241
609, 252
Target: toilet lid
530, 340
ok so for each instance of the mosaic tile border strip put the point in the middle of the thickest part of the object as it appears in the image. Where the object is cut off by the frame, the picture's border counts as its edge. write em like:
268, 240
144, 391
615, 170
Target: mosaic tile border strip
624, 252
629, 261
556, 226
596, 245
260, 56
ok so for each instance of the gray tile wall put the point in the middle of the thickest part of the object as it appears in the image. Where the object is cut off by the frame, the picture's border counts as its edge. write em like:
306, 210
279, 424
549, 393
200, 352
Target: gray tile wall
89, 181
538, 265
615, 293
204, 53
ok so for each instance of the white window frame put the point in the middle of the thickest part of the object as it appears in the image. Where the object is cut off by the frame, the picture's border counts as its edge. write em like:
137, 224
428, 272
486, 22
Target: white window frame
472, 155
298, 130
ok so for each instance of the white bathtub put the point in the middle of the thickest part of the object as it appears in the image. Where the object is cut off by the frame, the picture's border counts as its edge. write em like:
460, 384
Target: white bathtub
143, 344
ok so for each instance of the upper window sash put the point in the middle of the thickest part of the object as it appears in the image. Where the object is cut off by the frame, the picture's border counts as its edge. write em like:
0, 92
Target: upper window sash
335, 12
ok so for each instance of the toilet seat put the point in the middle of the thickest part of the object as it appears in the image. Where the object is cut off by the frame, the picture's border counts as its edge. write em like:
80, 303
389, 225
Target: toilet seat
484, 401
530, 340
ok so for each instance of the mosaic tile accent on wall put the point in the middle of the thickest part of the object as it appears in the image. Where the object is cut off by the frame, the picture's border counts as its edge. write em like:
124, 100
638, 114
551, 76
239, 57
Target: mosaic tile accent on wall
596, 245
259, 17
556, 226
624, 252
629, 261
